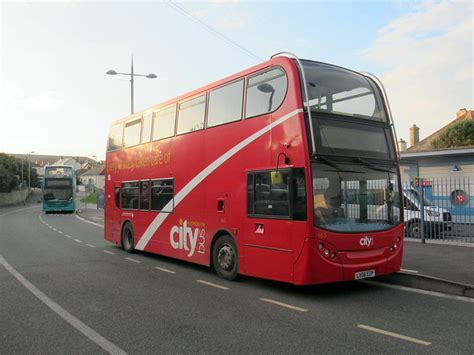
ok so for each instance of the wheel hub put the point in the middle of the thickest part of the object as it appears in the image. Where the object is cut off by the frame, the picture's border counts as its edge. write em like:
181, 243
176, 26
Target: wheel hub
225, 257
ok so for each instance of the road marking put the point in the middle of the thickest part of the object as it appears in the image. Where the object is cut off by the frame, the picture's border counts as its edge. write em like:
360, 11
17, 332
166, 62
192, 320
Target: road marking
67, 235
417, 290
394, 335
78, 240
60, 232
289, 306
68, 317
212, 284
90, 222
165, 270
54, 229
108, 252
91, 245
412, 271
133, 260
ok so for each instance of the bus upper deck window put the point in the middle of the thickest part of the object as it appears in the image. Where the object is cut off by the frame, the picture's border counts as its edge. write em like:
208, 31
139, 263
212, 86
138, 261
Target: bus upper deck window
265, 92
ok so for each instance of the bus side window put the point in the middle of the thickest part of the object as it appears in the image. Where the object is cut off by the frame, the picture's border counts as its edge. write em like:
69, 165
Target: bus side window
269, 195
162, 192
117, 197
191, 115
265, 92
130, 195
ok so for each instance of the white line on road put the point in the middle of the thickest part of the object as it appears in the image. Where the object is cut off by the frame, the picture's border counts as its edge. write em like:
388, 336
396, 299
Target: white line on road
90, 222
60, 232
212, 284
133, 260
417, 290
394, 335
54, 229
289, 306
108, 252
165, 270
91, 245
412, 271
68, 317
67, 235
78, 240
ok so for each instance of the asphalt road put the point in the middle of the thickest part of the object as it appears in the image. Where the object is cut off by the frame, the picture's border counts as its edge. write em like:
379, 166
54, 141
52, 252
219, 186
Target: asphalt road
64, 289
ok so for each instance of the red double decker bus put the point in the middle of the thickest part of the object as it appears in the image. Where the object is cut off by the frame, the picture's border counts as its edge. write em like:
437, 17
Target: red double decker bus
286, 171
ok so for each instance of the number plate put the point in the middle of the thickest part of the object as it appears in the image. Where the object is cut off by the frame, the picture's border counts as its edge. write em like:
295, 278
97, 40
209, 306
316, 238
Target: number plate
364, 274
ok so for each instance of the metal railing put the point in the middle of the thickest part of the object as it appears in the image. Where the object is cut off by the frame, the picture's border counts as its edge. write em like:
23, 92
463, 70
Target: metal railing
448, 205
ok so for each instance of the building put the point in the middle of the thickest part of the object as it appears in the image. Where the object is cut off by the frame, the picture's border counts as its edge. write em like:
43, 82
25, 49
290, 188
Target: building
422, 159
94, 178
449, 172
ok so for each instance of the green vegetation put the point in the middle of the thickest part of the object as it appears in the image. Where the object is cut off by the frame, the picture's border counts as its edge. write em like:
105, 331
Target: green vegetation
92, 198
459, 135
10, 173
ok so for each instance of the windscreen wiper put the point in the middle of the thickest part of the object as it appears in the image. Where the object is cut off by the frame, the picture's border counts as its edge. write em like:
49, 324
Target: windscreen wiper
335, 166
369, 165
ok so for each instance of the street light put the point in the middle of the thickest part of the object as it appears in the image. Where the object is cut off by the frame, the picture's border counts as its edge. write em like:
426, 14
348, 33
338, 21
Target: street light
132, 74
29, 171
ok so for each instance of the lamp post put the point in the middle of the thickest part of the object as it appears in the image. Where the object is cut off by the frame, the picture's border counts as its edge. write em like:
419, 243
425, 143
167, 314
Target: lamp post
29, 171
132, 74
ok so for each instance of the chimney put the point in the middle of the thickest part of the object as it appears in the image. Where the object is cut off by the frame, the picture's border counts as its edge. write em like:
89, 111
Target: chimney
461, 112
414, 135
402, 145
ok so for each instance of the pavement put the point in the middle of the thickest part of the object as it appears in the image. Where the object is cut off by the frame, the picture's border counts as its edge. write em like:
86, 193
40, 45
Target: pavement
439, 262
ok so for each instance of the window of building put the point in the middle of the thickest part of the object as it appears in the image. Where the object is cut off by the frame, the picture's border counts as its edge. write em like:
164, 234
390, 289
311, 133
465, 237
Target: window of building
163, 123
115, 137
131, 134
146, 127
265, 92
191, 115
225, 104
144, 195
161, 194
130, 195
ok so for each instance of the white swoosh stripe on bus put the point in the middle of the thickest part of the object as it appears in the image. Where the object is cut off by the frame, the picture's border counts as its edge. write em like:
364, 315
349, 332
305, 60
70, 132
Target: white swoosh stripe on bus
160, 218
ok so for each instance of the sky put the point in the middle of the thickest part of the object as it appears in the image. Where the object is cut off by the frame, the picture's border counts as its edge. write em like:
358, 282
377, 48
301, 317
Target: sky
55, 97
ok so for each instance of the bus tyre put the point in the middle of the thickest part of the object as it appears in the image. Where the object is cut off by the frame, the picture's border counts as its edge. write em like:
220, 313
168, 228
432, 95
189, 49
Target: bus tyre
414, 229
225, 258
127, 238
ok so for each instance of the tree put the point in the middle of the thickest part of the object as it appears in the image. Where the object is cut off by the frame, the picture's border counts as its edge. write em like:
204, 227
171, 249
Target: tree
460, 134
12, 171
8, 180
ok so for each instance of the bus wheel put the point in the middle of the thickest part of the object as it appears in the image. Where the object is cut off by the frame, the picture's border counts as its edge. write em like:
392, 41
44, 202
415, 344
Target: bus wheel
414, 229
225, 258
127, 238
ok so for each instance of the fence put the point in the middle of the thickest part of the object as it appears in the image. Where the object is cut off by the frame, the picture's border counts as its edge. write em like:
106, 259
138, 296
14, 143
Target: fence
448, 205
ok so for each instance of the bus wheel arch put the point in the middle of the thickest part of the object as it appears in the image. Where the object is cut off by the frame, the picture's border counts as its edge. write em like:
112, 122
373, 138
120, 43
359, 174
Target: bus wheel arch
224, 255
127, 236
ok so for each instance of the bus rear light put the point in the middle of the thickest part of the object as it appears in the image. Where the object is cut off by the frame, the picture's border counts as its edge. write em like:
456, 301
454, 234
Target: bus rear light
321, 246
333, 256
326, 252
